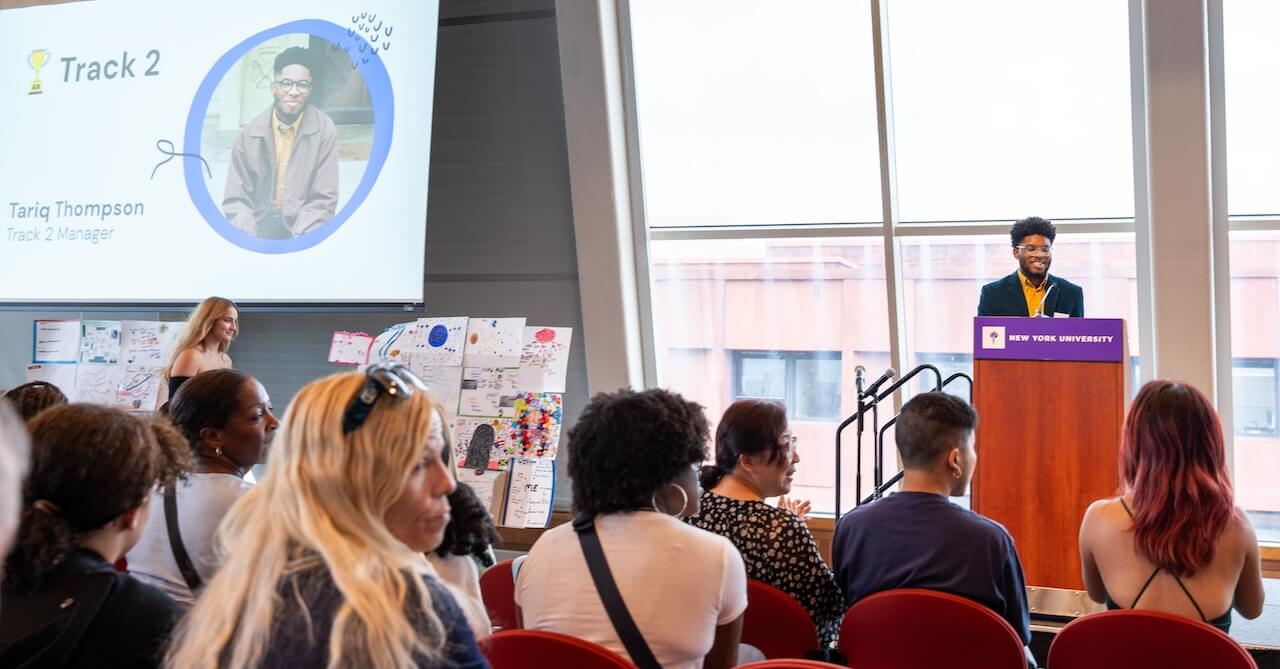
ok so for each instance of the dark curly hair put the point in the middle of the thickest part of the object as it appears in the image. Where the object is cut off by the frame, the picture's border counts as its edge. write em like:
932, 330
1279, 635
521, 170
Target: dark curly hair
1032, 225
748, 427
470, 530
32, 398
89, 465
628, 444
294, 55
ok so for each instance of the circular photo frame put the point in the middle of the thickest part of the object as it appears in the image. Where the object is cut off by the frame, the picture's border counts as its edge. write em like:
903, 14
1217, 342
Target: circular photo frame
365, 59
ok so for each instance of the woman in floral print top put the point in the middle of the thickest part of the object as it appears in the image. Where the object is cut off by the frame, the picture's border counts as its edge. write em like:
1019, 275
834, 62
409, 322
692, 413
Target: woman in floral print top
756, 459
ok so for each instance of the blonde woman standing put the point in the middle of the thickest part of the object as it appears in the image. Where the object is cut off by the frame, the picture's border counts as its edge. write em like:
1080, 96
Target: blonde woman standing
203, 345
323, 562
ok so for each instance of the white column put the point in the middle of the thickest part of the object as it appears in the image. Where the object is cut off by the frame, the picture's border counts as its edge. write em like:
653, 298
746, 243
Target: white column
595, 127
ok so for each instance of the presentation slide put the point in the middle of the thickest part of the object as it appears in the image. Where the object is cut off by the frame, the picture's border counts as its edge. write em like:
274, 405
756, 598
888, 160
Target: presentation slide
158, 151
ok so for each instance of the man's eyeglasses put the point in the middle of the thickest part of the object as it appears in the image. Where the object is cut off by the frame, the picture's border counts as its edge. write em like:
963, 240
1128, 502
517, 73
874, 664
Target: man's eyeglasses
303, 85
384, 378
1028, 248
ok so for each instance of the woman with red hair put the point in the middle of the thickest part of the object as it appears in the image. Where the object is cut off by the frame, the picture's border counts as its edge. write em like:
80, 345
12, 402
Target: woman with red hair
1174, 541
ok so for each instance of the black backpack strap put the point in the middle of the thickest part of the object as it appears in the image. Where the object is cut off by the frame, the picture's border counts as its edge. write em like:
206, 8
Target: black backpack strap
189, 573
585, 527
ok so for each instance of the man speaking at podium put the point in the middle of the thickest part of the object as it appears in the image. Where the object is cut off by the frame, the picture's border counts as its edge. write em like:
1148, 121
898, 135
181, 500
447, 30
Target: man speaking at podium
1030, 291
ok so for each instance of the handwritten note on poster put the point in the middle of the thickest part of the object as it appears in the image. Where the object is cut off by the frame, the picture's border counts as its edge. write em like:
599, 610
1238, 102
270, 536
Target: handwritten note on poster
493, 342
350, 348
97, 384
530, 493
544, 359
100, 342
143, 343
56, 342
482, 482
444, 384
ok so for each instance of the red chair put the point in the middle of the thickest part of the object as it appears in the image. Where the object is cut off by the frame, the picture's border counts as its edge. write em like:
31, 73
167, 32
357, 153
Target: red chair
776, 623
533, 649
790, 664
924, 629
498, 588
1134, 639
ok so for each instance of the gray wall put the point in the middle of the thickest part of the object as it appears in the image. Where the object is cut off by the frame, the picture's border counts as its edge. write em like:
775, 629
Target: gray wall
500, 236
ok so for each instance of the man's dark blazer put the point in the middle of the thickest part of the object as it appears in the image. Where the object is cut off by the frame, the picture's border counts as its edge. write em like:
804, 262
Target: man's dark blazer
1004, 297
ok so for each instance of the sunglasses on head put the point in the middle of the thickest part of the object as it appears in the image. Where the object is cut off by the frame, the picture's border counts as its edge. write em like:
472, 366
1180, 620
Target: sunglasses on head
383, 378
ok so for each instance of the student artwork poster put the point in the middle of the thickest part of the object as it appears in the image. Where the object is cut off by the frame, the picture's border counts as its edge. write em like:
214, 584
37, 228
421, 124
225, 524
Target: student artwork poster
136, 141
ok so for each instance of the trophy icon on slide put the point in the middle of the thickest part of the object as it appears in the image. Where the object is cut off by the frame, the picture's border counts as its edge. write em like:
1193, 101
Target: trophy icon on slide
38, 59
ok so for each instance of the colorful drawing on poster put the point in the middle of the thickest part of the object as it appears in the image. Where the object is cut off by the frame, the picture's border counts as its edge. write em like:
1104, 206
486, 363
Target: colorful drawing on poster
487, 391
386, 346
138, 389
534, 431
100, 342
493, 342
441, 341
350, 348
480, 443
544, 359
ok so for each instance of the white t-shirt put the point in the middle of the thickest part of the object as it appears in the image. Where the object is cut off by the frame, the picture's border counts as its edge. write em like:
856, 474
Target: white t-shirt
203, 500
678, 582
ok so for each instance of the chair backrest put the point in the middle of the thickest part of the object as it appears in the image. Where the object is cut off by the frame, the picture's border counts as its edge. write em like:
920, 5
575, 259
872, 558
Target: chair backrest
925, 629
1133, 639
535, 649
498, 588
790, 663
776, 623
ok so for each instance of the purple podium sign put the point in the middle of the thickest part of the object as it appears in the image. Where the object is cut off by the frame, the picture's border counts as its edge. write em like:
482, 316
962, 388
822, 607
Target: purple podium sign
1073, 339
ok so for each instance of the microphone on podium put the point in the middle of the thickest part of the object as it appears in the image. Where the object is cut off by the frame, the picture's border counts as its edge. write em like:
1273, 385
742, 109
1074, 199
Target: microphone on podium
888, 374
1043, 300
859, 379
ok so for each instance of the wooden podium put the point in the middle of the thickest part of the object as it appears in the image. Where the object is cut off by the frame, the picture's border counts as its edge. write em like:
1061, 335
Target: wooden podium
1050, 395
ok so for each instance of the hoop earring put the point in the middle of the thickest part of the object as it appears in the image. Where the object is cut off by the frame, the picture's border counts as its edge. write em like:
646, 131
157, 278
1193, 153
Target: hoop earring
653, 499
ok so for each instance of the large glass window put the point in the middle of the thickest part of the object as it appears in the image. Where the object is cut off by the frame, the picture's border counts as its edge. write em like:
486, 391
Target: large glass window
781, 319
756, 111
1002, 111
1253, 130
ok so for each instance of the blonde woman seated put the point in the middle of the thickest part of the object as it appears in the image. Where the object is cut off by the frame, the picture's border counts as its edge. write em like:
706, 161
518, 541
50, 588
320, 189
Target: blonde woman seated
1174, 542
203, 344
323, 558
633, 458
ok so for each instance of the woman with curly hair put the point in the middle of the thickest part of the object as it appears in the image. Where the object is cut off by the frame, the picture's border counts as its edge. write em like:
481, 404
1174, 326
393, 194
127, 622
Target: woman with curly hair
756, 458
32, 398
84, 505
324, 563
1173, 541
633, 458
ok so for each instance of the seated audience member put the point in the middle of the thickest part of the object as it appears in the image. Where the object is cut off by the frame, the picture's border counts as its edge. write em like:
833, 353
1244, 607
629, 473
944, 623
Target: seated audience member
324, 554
917, 538
204, 342
633, 458
468, 538
226, 417
32, 398
15, 456
756, 458
84, 504
1174, 541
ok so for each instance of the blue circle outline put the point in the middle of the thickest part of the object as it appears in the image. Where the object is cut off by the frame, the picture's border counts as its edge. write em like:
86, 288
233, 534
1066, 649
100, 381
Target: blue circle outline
376, 79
